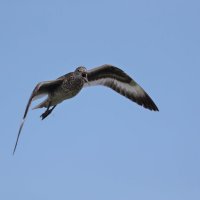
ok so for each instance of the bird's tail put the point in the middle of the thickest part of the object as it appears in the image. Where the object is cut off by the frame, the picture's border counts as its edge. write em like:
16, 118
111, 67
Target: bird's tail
43, 104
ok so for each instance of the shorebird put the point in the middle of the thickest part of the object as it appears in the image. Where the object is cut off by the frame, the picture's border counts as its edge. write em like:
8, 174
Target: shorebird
69, 85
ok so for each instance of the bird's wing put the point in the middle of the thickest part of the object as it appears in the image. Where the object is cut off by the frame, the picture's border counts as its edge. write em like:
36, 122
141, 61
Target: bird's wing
116, 79
40, 90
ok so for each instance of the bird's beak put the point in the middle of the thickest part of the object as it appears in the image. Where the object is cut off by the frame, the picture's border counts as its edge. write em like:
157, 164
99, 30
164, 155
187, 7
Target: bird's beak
86, 78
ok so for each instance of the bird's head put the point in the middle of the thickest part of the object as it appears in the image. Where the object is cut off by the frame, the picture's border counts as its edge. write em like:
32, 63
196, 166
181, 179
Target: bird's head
82, 71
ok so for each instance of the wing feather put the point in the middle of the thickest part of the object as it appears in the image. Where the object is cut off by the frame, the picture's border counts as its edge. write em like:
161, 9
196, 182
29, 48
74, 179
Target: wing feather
41, 89
116, 79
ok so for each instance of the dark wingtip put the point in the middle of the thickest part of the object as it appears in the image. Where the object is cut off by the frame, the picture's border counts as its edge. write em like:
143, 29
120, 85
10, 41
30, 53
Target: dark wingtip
148, 103
13, 152
155, 108
14, 149
20, 129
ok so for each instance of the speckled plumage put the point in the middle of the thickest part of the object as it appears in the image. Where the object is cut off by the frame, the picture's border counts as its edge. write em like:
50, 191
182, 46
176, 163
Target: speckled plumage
70, 85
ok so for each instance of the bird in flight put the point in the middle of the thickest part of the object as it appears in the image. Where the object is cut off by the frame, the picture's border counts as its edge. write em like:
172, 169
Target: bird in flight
69, 85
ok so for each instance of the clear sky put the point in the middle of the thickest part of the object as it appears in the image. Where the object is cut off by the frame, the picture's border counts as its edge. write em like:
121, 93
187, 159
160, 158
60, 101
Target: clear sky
99, 145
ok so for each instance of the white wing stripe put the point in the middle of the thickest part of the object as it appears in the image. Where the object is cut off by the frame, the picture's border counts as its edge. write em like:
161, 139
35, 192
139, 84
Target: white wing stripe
133, 89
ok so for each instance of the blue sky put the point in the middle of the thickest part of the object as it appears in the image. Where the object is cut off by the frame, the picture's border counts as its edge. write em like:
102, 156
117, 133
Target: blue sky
100, 145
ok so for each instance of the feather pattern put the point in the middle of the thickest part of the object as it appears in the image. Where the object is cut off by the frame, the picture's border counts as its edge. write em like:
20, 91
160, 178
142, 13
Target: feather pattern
114, 78
70, 85
40, 90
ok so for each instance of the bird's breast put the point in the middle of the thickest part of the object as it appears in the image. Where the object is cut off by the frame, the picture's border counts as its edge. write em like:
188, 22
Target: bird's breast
69, 88
72, 85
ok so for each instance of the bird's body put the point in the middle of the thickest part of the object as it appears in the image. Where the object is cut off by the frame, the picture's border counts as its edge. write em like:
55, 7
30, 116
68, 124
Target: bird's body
70, 85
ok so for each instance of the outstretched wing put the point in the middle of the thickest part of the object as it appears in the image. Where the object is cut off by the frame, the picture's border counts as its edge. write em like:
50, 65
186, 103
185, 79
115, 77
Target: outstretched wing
116, 79
41, 89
